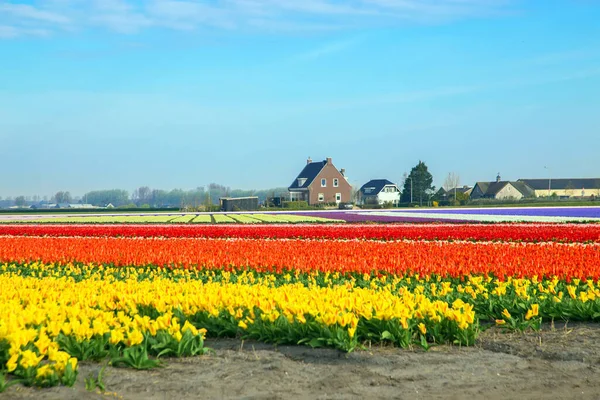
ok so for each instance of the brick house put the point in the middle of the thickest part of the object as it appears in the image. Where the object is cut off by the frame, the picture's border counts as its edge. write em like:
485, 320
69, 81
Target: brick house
320, 182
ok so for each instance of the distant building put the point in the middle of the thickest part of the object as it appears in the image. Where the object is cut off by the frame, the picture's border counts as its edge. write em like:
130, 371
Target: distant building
444, 194
379, 191
239, 203
501, 190
319, 183
564, 187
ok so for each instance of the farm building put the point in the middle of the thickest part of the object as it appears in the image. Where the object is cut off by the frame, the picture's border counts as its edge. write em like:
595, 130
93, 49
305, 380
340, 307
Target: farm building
501, 190
239, 203
564, 187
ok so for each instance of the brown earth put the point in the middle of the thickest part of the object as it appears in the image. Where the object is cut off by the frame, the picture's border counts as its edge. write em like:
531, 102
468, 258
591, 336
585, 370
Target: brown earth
561, 362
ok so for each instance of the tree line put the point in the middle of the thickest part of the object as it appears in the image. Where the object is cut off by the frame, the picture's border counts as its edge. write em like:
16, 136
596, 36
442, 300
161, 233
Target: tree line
145, 196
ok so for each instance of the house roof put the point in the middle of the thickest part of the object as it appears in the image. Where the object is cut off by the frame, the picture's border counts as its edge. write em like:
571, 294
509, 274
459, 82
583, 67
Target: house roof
562, 184
310, 172
461, 189
374, 186
492, 188
495, 187
483, 186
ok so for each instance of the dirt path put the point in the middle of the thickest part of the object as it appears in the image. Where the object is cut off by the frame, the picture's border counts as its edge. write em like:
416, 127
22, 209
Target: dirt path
560, 363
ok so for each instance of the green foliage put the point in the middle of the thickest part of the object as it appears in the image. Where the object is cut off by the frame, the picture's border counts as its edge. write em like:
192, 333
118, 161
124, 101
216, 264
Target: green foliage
135, 357
4, 356
422, 185
93, 349
163, 344
69, 376
296, 205
101, 198
93, 382
5, 383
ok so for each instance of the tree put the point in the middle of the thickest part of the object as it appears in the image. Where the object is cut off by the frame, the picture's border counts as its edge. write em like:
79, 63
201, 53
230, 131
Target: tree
20, 201
101, 198
142, 195
421, 181
451, 183
62, 197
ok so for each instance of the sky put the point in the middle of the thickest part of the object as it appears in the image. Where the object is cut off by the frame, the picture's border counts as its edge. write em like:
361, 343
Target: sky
100, 94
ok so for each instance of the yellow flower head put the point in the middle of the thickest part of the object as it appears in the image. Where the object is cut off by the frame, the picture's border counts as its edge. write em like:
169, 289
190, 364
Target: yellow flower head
11, 364
30, 359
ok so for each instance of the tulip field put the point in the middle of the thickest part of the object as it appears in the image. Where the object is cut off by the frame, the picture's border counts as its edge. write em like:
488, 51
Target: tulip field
136, 295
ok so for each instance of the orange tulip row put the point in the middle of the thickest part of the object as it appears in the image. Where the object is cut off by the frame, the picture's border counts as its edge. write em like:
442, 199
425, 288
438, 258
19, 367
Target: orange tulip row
398, 257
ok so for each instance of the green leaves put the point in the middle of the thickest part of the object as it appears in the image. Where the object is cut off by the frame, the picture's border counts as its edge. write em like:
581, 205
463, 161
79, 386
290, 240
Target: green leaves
94, 349
135, 357
5, 383
91, 382
163, 344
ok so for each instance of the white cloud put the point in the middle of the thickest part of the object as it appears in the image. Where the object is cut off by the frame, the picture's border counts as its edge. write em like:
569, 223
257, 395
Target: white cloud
27, 12
130, 16
9, 32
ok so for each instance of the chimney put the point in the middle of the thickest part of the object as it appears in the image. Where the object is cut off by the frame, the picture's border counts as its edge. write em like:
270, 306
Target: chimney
308, 161
343, 172
328, 160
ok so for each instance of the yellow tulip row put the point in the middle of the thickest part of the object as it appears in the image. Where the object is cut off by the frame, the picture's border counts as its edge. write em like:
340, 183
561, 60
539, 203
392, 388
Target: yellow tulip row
40, 304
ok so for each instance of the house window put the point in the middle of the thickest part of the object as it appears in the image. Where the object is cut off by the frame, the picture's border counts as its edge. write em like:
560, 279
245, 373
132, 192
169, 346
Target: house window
336, 182
321, 197
323, 182
338, 197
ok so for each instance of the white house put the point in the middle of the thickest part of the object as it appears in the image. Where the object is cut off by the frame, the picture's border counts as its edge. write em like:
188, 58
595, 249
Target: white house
379, 191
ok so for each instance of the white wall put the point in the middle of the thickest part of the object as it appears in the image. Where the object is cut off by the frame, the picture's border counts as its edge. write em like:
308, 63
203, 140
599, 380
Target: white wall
392, 197
509, 192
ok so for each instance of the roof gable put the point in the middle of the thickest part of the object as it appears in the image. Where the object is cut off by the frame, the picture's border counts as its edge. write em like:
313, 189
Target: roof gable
495, 187
483, 187
308, 175
374, 186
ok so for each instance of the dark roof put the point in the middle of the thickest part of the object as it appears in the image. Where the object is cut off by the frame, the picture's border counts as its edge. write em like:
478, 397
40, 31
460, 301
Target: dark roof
492, 188
374, 186
461, 189
525, 190
310, 172
483, 186
562, 184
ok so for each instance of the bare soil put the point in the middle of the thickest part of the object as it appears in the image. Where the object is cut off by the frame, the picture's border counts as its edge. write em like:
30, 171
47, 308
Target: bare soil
559, 362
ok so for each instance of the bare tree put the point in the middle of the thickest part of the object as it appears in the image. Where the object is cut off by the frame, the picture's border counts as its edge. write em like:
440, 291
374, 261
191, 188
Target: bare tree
63, 197
451, 183
142, 195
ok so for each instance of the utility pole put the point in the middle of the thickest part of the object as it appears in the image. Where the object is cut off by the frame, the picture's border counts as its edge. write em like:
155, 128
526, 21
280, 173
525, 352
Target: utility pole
411, 189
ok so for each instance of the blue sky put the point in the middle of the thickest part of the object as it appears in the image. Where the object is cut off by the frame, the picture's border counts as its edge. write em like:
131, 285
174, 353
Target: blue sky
178, 94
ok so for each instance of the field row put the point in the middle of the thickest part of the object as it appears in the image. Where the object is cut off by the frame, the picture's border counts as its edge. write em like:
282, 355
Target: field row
182, 219
479, 232
396, 257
